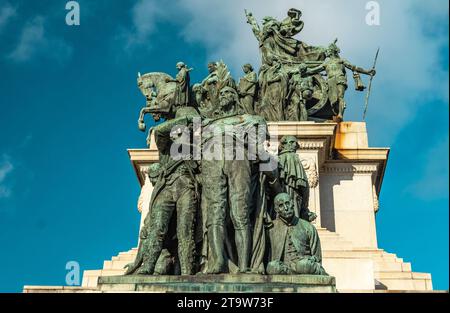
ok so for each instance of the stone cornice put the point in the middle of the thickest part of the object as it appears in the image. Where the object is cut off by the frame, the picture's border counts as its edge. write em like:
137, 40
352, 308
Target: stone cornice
303, 129
311, 136
141, 159
380, 154
342, 168
376, 155
143, 155
313, 144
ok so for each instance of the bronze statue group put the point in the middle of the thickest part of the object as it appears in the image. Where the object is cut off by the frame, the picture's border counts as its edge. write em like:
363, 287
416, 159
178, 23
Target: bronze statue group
223, 214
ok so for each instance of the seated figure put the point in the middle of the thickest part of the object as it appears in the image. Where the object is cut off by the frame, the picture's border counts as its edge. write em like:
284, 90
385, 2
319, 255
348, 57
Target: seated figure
294, 242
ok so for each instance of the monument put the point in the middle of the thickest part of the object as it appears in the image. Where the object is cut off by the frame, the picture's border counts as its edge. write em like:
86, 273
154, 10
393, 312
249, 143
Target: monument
257, 186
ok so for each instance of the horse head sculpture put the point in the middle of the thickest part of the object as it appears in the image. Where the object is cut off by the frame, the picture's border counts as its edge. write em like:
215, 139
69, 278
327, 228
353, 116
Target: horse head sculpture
159, 94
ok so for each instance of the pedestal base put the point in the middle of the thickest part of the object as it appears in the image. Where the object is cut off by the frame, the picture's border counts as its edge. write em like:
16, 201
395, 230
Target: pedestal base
219, 283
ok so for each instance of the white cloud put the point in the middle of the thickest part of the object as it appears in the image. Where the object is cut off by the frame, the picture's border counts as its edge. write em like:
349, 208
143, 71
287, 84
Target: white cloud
5, 168
34, 41
144, 15
7, 11
409, 73
31, 40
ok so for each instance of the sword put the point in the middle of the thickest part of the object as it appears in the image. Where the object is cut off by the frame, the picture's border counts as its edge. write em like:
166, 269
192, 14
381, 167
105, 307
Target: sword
370, 86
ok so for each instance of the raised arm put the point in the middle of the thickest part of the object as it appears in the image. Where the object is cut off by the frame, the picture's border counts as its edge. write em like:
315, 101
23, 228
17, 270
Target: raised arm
252, 79
210, 79
358, 69
275, 78
252, 21
163, 130
316, 70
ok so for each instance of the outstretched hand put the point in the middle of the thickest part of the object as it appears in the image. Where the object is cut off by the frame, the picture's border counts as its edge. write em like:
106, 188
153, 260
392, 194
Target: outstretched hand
141, 126
249, 15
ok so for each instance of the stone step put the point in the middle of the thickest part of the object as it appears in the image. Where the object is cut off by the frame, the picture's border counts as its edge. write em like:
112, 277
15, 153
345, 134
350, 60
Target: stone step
386, 254
119, 264
342, 250
330, 240
421, 275
387, 265
334, 247
393, 275
352, 253
112, 272
325, 237
406, 284
129, 258
90, 278
381, 266
335, 240
363, 252
127, 253
329, 235
402, 275
358, 252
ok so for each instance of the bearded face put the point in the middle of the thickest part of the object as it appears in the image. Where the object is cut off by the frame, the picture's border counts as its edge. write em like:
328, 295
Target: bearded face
227, 99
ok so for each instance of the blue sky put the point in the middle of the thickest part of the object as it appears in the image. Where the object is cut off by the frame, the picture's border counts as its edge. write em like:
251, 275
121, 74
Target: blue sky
69, 107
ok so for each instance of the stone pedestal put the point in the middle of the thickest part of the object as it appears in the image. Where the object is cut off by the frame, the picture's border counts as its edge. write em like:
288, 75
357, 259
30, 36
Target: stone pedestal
248, 283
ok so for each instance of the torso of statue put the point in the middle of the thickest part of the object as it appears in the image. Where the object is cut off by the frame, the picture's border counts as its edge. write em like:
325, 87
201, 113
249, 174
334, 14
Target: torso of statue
290, 253
335, 68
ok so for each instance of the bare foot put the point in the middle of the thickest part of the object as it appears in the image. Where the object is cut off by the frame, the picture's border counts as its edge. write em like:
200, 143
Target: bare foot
337, 118
130, 268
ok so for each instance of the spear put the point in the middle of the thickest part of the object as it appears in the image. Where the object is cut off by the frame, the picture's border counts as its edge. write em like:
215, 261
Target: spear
370, 85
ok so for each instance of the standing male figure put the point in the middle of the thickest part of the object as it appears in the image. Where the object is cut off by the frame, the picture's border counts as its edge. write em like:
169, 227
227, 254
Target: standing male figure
335, 67
293, 177
209, 83
183, 80
247, 89
273, 83
174, 197
228, 181
301, 89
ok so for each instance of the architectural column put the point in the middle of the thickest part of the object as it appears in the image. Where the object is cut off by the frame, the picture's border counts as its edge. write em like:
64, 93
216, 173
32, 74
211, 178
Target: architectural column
312, 155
